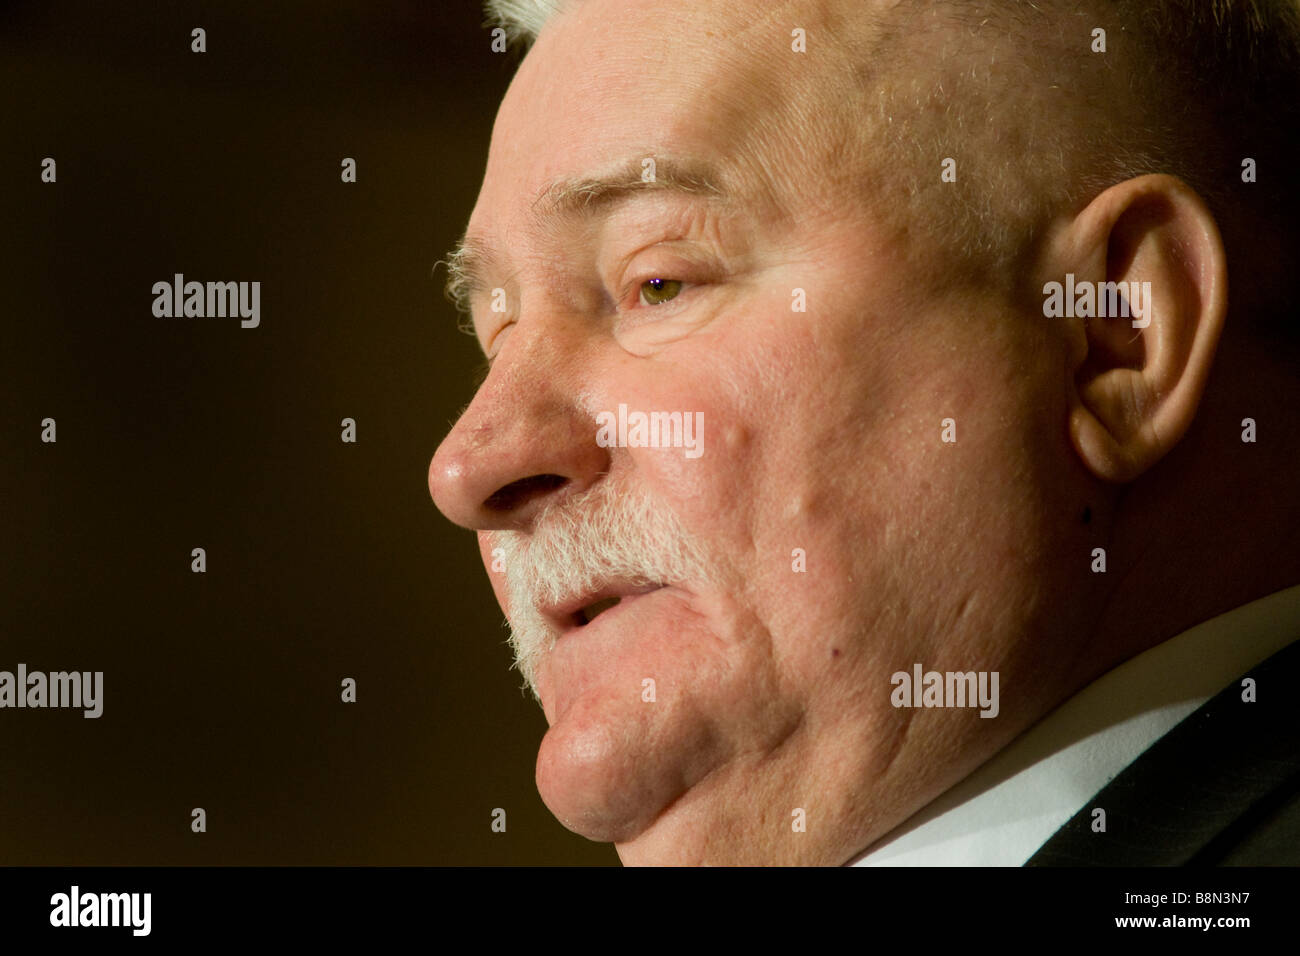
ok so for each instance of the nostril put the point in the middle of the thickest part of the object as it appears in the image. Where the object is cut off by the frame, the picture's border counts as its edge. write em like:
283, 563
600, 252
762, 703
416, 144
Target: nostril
517, 493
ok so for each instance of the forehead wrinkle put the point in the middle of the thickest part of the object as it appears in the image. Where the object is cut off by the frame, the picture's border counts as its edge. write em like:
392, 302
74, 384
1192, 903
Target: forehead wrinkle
790, 121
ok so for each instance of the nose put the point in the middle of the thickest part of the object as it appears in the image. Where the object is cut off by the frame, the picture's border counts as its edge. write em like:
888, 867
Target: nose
524, 442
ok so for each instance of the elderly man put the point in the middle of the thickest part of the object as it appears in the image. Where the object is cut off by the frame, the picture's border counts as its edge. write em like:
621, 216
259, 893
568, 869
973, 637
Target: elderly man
870, 450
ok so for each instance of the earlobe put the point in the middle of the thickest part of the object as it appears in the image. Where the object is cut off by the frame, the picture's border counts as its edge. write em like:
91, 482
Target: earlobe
1110, 455
1142, 280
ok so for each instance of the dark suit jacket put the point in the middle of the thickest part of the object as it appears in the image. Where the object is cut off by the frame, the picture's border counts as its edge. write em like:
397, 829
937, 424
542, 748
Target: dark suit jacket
1222, 788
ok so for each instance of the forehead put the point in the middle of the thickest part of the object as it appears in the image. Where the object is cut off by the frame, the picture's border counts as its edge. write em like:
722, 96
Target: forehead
612, 79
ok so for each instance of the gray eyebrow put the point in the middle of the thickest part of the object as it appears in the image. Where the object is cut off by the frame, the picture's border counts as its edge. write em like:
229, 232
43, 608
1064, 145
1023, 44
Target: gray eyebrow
467, 267
564, 200
586, 196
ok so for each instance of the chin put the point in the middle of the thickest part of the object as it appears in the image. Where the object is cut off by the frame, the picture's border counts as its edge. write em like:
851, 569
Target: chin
612, 761
589, 782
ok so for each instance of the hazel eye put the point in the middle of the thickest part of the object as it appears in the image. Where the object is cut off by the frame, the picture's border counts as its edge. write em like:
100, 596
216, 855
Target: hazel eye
659, 291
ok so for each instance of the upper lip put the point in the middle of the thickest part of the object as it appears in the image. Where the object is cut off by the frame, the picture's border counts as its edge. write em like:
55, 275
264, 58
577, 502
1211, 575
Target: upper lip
567, 613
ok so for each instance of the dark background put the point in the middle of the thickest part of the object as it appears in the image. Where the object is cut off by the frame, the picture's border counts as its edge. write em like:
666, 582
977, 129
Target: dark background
325, 560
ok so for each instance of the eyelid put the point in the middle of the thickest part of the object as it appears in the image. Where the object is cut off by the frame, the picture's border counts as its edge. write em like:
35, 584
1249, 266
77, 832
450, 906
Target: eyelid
632, 291
692, 271
488, 351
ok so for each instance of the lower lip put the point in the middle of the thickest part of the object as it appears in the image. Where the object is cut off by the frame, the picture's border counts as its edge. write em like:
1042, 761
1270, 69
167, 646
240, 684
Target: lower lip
587, 657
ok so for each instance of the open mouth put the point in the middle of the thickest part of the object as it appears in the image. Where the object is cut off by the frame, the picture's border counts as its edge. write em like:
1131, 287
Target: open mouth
589, 613
598, 605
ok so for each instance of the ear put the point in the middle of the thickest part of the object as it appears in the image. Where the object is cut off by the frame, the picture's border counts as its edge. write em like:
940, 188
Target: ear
1135, 379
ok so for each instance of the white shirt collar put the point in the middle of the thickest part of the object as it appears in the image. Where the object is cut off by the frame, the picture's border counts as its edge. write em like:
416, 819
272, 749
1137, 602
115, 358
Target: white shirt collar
1003, 812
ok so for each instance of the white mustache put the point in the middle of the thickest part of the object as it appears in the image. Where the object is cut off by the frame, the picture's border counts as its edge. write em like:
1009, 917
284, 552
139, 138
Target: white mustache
578, 545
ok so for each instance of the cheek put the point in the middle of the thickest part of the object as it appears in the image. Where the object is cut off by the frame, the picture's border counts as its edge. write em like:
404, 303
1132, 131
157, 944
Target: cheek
708, 482
858, 531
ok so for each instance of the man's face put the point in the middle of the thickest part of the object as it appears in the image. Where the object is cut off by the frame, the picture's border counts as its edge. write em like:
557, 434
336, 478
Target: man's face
825, 537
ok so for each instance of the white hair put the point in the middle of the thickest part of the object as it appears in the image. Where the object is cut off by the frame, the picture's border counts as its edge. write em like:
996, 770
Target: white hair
521, 19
